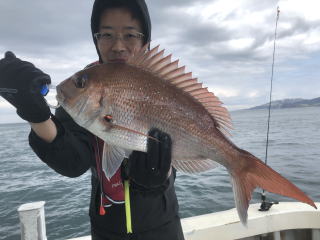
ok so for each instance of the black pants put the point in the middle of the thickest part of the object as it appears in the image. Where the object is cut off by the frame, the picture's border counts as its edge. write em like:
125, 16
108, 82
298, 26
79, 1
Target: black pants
169, 231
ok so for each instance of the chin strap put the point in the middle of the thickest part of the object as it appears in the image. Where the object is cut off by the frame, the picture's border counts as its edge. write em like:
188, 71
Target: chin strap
127, 206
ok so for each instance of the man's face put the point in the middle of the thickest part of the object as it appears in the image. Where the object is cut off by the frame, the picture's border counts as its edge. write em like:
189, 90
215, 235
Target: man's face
120, 34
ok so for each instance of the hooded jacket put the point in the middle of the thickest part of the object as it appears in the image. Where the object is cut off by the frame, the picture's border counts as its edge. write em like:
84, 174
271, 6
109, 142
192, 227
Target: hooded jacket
71, 154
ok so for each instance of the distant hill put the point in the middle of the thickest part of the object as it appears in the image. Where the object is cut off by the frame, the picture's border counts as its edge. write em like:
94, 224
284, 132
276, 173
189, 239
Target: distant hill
290, 103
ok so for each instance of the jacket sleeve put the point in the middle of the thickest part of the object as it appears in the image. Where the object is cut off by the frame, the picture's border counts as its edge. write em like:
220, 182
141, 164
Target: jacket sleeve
70, 153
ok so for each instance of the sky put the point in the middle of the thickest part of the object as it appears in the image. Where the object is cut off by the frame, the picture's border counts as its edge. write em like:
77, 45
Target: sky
227, 44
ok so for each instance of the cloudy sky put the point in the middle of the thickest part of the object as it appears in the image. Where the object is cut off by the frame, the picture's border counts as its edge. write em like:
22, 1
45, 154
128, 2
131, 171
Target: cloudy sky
227, 44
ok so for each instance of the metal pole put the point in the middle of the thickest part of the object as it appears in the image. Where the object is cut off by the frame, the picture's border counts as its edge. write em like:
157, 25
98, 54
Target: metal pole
32, 221
315, 234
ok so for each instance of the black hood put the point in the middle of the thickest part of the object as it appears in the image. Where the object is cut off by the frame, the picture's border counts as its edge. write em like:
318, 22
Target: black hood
100, 5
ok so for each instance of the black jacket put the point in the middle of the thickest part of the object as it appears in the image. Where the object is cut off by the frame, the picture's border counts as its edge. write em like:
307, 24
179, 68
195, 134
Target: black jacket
154, 212
71, 154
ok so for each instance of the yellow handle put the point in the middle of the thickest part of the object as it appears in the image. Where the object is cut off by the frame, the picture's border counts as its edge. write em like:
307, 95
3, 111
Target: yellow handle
127, 206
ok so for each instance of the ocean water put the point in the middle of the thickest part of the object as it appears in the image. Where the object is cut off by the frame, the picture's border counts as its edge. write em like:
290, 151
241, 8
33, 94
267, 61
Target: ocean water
294, 151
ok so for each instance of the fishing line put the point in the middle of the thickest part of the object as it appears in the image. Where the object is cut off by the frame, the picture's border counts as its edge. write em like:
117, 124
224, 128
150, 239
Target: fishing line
266, 205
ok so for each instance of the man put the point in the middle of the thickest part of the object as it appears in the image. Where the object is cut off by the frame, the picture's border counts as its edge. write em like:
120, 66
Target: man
118, 27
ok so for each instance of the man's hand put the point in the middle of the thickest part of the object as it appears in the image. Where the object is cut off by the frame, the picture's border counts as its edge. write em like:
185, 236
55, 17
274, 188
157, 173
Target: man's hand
151, 169
20, 85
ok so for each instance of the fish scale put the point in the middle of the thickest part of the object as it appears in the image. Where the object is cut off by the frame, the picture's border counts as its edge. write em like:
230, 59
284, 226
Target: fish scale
150, 91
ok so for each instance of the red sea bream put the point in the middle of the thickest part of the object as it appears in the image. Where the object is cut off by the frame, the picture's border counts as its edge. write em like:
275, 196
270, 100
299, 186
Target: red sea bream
121, 102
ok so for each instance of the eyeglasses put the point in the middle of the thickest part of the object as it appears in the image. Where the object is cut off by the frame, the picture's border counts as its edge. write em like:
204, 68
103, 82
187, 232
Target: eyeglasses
130, 38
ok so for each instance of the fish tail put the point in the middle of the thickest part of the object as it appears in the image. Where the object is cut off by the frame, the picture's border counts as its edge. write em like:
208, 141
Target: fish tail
257, 174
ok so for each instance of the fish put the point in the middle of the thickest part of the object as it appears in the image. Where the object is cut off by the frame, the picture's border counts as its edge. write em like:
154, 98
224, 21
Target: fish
121, 102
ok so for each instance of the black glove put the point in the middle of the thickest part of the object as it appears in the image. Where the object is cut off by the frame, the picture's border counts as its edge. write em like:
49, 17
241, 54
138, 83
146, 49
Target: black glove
151, 169
20, 85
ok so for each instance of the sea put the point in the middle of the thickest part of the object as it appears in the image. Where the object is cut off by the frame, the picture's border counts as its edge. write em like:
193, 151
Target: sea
293, 151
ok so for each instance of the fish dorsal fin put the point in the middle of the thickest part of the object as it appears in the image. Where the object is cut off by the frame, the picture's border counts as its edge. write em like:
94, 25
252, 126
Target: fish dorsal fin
155, 62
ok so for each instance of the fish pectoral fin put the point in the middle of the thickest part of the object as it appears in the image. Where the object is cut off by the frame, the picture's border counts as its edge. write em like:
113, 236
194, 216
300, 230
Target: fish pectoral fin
258, 174
194, 165
112, 158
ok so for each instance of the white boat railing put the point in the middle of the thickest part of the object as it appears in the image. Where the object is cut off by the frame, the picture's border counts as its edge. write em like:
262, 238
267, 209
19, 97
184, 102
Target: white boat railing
280, 221
32, 221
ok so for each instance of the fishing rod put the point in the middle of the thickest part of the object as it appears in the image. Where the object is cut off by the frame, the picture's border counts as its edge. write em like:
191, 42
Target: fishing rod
265, 206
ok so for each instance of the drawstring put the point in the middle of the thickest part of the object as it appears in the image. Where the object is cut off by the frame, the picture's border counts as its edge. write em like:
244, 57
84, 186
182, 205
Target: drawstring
127, 205
102, 211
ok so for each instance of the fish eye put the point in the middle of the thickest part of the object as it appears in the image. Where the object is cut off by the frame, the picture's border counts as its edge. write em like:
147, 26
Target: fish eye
80, 81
